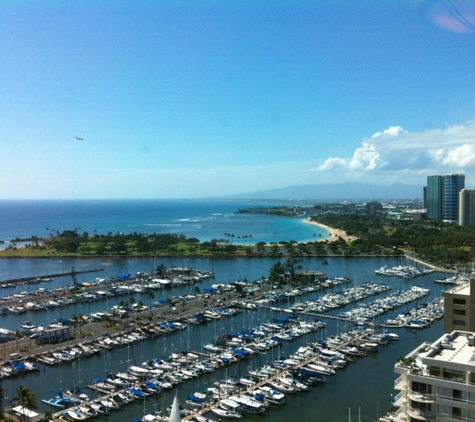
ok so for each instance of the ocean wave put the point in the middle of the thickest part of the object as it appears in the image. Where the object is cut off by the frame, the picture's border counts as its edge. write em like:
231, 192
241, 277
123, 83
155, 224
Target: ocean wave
163, 225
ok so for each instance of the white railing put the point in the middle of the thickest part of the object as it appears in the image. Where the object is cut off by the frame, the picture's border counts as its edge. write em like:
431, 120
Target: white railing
455, 399
421, 397
399, 383
450, 418
428, 416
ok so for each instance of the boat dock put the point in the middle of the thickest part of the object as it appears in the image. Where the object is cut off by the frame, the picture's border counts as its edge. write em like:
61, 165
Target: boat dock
37, 279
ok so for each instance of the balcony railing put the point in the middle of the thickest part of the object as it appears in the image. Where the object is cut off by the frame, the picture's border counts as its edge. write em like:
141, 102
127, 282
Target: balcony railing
465, 400
420, 415
450, 418
399, 400
399, 384
421, 398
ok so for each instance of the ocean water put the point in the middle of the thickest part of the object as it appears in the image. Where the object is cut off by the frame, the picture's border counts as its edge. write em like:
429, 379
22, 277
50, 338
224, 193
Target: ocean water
203, 219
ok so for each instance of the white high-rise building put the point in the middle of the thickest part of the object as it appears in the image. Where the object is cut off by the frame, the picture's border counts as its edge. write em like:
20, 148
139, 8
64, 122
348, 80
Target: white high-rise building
437, 381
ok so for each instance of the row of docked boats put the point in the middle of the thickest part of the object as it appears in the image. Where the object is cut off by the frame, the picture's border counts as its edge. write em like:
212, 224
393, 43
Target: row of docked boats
269, 385
11, 368
45, 298
367, 312
421, 316
405, 271
154, 375
340, 299
460, 278
307, 365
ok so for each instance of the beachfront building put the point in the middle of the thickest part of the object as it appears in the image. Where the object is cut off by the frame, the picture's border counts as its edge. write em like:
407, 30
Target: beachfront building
467, 207
453, 184
437, 381
459, 307
434, 197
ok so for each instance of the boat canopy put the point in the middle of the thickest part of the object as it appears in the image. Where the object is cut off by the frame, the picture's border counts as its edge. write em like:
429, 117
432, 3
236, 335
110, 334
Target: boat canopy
209, 290
25, 412
282, 320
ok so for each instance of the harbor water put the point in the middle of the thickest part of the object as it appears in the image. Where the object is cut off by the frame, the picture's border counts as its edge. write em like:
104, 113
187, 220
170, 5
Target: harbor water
361, 391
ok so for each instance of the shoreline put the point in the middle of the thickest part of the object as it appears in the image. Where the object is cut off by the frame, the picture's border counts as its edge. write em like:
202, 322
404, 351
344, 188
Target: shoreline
334, 234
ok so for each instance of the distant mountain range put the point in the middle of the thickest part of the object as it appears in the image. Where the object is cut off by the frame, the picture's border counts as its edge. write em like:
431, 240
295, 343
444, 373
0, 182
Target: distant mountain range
337, 191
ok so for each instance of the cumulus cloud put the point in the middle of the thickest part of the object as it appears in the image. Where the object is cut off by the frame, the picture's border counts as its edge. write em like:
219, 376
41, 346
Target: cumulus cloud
333, 164
366, 158
392, 131
394, 149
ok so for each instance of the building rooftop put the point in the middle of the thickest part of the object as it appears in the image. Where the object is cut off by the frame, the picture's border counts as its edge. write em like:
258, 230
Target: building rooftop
454, 349
461, 289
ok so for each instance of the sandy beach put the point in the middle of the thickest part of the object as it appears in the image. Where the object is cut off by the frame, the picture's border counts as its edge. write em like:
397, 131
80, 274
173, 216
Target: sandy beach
334, 233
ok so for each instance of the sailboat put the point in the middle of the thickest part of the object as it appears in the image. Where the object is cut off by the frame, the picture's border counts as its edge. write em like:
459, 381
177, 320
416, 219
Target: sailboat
175, 412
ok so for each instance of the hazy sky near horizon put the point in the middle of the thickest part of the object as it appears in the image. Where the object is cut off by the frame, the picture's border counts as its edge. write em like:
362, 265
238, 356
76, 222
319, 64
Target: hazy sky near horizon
200, 98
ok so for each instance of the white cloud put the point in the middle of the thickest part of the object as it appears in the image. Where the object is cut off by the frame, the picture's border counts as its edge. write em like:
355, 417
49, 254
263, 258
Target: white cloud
432, 151
333, 164
392, 131
366, 158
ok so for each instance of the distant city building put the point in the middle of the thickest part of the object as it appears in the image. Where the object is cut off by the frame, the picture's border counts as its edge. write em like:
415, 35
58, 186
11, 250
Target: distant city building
437, 381
442, 197
424, 197
466, 207
453, 184
459, 307
373, 206
435, 196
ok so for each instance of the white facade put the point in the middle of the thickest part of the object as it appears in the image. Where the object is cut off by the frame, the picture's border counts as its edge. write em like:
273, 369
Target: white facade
437, 381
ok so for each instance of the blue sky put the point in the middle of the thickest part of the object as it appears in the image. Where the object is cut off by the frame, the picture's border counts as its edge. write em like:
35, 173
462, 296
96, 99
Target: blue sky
201, 98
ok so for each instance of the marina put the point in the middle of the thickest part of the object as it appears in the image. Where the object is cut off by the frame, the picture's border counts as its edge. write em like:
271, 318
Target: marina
163, 342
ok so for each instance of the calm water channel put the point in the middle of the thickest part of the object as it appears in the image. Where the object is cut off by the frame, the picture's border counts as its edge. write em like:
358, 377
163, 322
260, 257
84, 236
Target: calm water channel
364, 386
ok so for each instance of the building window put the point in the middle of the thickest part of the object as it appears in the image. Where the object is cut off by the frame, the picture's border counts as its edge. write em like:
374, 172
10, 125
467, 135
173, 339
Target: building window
459, 312
421, 387
457, 395
459, 301
459, 322
456, 412
453, 375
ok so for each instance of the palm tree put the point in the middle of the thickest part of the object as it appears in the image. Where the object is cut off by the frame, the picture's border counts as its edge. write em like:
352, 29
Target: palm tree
47, 417
324, 264
161, 270
26, 398
75, 323
114, 314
